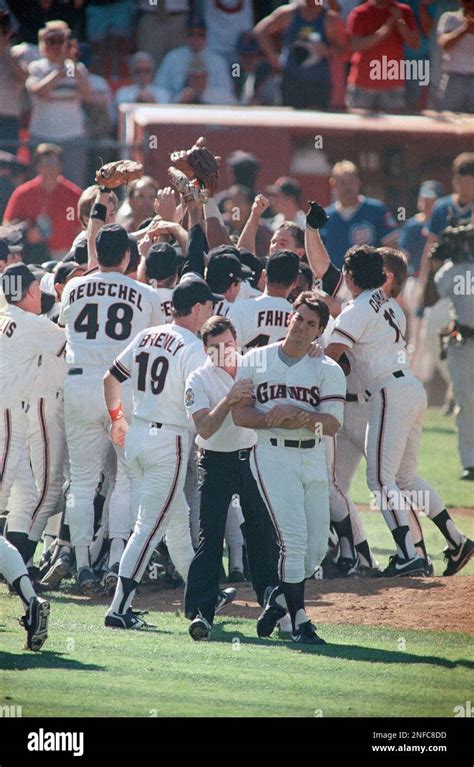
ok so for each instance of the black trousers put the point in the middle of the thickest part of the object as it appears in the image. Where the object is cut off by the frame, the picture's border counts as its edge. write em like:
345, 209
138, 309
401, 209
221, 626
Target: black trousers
221, 475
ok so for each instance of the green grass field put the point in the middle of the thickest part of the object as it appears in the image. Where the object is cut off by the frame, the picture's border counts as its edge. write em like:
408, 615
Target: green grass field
87, 670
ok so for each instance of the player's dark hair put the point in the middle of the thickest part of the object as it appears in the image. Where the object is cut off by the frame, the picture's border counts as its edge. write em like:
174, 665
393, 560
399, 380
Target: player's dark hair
214, 326
297, 232
282, 268
307, 298
307, 274
463, 164
364, 263
396, 262
112, 243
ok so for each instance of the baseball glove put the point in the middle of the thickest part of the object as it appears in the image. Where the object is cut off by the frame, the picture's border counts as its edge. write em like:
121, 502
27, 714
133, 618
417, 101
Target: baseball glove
198, 162
190, 191
316, 216
118, 173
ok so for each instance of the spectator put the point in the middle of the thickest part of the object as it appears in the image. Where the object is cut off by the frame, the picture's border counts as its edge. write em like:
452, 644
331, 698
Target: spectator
13, 76
236, 205
353, 218
35, 14
379, 29
109, 25
244, 167
456, 208
456, 38
58, 87
141, 90
161, 26
310, 34
416, 93
192, 74
47, 204
9, 167
257, 82
284, 196
139, 204
225, 22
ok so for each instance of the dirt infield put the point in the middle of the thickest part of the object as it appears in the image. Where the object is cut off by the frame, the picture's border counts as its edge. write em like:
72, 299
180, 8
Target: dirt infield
418, 603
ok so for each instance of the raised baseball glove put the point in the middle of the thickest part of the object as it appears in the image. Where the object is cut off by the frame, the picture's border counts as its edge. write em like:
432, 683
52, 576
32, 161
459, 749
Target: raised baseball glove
190, 190
118, 173
198, 162
316, 216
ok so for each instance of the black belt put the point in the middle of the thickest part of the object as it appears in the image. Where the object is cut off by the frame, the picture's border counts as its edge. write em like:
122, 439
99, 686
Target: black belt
305, 443
398, 374
352, 397
242, 455
75, 372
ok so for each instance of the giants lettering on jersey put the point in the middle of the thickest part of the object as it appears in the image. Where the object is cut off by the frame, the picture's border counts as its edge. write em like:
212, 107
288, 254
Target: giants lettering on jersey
266, 392
94, 288
272, 317
378, 299
164, 341
7, 328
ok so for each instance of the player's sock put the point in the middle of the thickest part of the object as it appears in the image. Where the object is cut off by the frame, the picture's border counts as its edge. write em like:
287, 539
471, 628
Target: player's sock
236, 557
30, 548
24, 589
82, 556
300, 618
280, 598
448, 529
420, 548
294, 595
124, 593
20, 542
364, 554
343, 529
47, 542
117, 546
403, 542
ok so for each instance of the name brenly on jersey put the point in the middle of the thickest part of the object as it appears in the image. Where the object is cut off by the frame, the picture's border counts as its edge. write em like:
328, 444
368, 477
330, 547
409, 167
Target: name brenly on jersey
267, 391
111, 289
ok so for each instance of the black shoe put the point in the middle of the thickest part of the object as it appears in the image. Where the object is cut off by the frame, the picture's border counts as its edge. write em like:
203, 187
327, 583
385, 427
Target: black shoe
60, 569
200, 629
347, 567
226, 596
330, 569
366, 571
306, 634
398, 567
468, 474
271, 614
110, 579
429, 568
130, 620
36, 623
87, 582
236, 576
456, 559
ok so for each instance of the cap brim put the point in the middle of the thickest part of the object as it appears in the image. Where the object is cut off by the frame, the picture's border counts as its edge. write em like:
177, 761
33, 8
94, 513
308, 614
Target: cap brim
216, 297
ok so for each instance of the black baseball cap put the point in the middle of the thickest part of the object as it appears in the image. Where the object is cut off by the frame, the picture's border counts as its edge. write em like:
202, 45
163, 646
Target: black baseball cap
78, 254
222, 270
193, 290
16, 279
161, 261
287, 186
112, 239
64, 271
283, 267
239, 158
6, 249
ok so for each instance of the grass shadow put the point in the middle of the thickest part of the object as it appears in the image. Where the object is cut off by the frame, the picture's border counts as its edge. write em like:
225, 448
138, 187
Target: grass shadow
25, 661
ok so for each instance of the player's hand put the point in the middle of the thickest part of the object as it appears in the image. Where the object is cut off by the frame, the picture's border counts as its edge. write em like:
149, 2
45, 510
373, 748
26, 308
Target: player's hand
241, 390
281, 413
118, 431
259, 205
315, 350
316, 216
165, 203
157, 228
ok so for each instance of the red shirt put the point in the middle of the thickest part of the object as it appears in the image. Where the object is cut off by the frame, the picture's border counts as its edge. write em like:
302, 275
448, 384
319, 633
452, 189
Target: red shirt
31, 200
364, 21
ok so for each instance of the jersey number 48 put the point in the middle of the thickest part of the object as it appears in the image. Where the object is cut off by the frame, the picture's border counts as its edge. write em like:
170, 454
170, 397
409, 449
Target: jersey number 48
118, 324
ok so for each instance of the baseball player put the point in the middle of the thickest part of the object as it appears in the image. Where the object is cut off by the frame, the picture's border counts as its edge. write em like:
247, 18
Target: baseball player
101, 311
297, 398
158, 361
161, 267
370, 330
26, 340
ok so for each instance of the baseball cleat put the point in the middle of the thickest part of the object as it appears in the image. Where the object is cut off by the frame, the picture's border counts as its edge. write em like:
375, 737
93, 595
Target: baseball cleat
468, 474
236, 576
129, 620
59, 570
306, 634
86, 581
200, 629
226, 596
365, 571
271, 614
330, 568
347, 567
35, 621
398, 567
429, 567
110, 579
456, 559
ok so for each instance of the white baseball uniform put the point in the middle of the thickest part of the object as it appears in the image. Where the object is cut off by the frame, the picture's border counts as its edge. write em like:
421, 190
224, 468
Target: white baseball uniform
292, 479
260, 321
102, 312
158, 361
165, 296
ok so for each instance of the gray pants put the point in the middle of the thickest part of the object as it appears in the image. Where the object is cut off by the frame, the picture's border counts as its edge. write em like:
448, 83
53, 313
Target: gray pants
457, 93
461, 367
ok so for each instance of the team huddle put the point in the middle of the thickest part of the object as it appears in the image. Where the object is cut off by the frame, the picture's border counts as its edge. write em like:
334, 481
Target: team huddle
166, 407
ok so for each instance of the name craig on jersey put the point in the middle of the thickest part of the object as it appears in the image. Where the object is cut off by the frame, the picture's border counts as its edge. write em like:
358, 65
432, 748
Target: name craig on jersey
162, 340
268, 391
279, 319
111, 289
378, 299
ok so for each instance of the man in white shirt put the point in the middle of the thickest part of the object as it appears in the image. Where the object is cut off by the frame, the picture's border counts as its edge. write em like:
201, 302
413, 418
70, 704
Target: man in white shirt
223, 471
455, 36
142, 67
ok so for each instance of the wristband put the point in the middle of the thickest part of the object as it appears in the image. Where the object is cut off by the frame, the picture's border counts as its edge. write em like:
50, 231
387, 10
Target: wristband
116, 413
99, 211
104, 190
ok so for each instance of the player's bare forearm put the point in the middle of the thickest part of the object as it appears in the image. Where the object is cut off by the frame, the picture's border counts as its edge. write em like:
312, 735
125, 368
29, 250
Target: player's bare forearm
249, 233
316, 252
216, 233
249, 416
112, 390
323, 423
335, 351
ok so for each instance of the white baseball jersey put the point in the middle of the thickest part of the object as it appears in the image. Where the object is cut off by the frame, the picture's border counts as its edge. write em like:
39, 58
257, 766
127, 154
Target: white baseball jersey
373, 326
158, 361
102, 312
246, 291
166, 303
260, 321
24, 339
312, 383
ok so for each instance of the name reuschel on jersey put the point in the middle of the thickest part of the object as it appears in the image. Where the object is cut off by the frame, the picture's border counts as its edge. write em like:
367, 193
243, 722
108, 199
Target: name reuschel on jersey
112, 289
